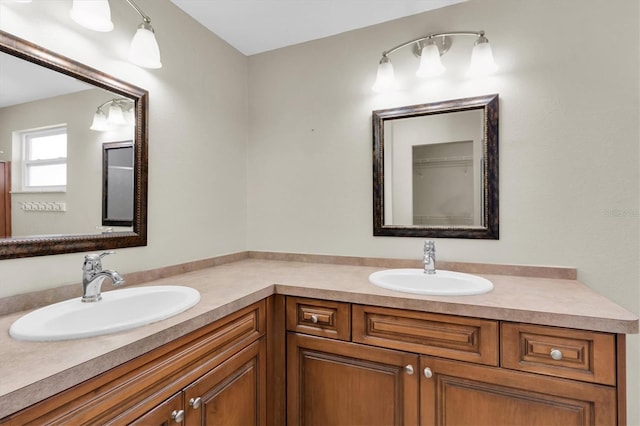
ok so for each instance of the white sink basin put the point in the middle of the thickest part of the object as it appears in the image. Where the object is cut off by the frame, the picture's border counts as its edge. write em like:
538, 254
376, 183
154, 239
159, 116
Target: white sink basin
117, 311
442, 283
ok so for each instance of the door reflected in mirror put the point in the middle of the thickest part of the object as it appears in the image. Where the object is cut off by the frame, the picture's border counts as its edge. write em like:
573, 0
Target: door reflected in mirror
435, 169
117, 184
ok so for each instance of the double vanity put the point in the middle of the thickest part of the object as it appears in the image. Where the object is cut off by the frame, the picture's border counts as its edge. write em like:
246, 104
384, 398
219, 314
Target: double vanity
286, 339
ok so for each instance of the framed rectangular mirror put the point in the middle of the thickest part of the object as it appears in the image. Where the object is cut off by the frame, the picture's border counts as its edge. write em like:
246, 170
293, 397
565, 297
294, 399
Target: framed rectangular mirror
435, 169
46, 94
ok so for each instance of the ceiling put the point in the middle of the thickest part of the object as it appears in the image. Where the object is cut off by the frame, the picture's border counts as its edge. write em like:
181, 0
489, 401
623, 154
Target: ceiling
255, 26
22, 81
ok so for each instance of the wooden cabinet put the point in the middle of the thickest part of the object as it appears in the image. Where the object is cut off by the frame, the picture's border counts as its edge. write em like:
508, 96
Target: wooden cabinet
458, 393
469, 371
170, 412
447, 336
574, 354
222, 363
319, 317
233, 393
330, 382
336, 363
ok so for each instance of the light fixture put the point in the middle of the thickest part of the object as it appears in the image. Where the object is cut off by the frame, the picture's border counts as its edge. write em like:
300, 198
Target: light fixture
96, 15
482, 62
385, 80
92, 14
430, 63
99, 122
144, 50
429, 48
120, 113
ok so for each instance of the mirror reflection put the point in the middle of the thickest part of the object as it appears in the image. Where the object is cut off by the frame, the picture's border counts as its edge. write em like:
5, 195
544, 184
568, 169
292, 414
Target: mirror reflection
56, 116
56, 173
435, 169
117, 183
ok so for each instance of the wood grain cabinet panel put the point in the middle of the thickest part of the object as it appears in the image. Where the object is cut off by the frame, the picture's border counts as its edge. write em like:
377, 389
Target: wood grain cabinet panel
448, 336
458, 393
574, 354
319, 317
233, 393
121, 395
330, 382
170, 412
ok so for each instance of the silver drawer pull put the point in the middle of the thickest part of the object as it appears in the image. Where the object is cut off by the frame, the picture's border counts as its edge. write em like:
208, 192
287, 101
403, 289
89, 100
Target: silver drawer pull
314, 319
427, 373
409, 369
177, 416
195, 402
556, 354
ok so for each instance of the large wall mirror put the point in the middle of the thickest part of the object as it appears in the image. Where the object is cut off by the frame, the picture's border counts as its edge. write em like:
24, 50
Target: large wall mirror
54, 187
435, 170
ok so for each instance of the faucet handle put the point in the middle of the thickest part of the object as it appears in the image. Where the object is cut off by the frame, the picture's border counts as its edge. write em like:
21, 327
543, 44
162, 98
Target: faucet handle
95, 256
429, 245
93, 261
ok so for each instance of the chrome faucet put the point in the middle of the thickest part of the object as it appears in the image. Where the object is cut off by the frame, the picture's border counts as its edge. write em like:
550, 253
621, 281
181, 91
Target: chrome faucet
93, 275
429, 257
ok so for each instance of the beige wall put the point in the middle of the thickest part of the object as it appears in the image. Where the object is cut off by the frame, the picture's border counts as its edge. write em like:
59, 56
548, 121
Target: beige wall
83, 195
569, 160
197, 135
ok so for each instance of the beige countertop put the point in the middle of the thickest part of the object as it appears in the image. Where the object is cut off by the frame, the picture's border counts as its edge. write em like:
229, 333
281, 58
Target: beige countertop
30, 372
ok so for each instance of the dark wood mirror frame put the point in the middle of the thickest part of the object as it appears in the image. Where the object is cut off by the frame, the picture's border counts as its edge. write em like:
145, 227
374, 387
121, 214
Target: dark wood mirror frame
490, 212
58, 244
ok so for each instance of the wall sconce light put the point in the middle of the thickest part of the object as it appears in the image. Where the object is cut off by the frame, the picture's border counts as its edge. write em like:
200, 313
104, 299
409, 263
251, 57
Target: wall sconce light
429, 48
96, 15
119, 113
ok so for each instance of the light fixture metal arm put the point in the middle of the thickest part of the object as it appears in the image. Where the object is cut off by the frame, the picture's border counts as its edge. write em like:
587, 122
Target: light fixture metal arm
431, 36
145, 17
114, 100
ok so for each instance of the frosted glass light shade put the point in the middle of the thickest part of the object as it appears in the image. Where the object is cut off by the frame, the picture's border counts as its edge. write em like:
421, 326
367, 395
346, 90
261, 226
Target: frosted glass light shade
99, 122
144, 50
116, 116
385, 79
482, 62
430, 64
92, 14
130, 117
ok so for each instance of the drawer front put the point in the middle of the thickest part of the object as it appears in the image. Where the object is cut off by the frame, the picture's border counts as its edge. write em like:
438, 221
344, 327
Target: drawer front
447, 336
319, 318
573, 354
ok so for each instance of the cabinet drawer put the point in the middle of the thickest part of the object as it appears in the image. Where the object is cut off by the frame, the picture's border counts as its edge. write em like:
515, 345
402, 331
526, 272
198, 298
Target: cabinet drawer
447, 336
319, 317
573, 354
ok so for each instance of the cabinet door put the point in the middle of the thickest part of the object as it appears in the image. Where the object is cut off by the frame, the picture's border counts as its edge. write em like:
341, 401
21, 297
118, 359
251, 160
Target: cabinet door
234, 393
168, 413
459, 393
338, 383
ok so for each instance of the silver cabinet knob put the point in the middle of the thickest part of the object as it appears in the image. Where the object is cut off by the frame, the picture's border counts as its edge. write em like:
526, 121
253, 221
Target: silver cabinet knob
314, 319
195, 402
409, 369
177, 416
556, 354
427, 373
